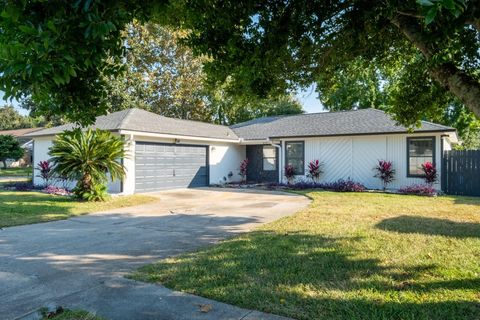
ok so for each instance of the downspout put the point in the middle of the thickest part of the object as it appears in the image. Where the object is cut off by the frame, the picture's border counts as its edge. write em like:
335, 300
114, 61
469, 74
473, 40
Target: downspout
279, 147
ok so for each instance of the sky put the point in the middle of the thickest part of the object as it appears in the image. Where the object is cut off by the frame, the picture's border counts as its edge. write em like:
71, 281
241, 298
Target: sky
308, 98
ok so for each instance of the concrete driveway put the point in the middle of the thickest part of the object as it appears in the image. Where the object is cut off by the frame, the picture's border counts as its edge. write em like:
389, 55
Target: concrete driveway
81, 262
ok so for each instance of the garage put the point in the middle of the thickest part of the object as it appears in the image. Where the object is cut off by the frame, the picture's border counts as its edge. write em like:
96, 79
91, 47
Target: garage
165, 166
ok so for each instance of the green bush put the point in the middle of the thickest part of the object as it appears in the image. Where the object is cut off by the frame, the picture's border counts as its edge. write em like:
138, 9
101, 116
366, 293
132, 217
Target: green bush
88, 156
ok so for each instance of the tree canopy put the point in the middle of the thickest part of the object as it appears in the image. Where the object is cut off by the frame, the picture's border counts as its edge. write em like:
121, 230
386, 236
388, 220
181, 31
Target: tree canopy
163, 76
9, 149
10, 119
63, 52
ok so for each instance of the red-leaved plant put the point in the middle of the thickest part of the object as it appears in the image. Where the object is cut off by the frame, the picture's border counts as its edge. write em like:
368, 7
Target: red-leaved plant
429, 173
385, 172
314, 170
289, 173
45, 171
243, 169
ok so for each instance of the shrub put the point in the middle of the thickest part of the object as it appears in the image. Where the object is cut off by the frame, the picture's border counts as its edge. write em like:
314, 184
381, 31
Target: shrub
344, 186
314, 170
289, 173
87, 156
430, 173
385, 172
340, 185
19, 186
97, 193
419, 189
45, 170
243, 169
9, 149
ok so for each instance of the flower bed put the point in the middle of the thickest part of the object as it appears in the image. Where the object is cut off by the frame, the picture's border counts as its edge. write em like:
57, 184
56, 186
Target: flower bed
51, 189
419, 190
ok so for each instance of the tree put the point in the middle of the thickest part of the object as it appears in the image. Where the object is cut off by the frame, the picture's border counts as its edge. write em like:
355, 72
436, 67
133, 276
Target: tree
263, 48
62, 51
9, 149
10, 119
228, 109
163, 76
88, 156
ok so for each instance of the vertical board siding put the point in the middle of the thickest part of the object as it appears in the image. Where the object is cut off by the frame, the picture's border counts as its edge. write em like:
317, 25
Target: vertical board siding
355, 157
461, 172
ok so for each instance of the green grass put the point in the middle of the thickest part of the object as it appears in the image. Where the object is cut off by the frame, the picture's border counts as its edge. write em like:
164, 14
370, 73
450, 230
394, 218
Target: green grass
17, 208
16, 172
348, 256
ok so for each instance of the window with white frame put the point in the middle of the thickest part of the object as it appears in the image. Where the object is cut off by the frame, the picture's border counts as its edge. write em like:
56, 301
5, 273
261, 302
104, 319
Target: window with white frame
269, 158
419, 151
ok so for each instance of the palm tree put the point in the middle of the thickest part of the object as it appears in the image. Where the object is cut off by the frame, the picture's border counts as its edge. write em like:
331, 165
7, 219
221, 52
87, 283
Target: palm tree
87, 156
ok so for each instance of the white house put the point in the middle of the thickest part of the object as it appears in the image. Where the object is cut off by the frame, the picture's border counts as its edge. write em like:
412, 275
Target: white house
167, 153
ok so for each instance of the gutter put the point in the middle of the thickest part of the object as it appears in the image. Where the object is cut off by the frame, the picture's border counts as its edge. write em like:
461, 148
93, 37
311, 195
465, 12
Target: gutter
175, 136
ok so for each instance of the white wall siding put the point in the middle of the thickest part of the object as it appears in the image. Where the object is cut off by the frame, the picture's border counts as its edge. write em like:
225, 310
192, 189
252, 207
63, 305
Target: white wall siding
355, 157
41, 146
40, 153
366, 153
225, 158
335, 154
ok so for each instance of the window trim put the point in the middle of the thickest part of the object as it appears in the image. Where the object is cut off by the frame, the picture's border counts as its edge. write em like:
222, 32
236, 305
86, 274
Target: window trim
434, 154
274, 157
303, 155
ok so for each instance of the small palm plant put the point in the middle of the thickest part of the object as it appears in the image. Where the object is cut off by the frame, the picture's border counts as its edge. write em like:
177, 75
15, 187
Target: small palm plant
87, 156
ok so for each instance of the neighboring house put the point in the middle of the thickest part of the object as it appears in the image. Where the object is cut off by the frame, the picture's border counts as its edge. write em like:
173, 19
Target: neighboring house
167, 153
25, 142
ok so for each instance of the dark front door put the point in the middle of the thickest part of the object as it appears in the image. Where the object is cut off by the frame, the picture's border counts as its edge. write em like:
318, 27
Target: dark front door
165, 166
262, 167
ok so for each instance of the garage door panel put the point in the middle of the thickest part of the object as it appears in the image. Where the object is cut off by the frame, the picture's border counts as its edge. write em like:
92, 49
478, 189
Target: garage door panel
162, 166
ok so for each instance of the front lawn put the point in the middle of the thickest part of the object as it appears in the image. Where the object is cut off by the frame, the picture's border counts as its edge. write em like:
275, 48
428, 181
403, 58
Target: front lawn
16, 172
348, 256
17, 208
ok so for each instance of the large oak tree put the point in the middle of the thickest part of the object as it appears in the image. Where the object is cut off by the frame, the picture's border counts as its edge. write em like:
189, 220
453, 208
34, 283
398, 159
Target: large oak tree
61, 50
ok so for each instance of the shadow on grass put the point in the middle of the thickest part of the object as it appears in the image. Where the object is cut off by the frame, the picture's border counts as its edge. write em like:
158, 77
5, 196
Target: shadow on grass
313, 277
473, 201
431, 226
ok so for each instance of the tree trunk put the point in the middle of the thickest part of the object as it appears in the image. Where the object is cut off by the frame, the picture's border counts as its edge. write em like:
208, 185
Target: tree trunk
4, 163
448, 75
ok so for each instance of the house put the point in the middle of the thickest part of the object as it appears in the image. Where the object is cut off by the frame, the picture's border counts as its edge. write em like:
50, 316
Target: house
25, 142
167, 153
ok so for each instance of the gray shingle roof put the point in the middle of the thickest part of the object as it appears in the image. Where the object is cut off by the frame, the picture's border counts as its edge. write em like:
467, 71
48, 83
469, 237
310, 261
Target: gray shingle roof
144, 121
363, 121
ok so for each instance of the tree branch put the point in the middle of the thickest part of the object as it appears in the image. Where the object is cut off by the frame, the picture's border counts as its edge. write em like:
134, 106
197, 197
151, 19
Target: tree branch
448, 75
410, 14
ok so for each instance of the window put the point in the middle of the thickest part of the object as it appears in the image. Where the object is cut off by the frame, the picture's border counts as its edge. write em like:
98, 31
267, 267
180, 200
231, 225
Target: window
294, 155
269, 158
419, 151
